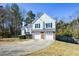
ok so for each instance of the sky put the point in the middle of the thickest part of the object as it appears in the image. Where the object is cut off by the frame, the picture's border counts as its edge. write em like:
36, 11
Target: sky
52, 9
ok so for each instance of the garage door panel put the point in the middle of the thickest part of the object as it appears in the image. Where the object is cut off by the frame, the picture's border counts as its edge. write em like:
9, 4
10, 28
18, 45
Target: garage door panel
37, 35
48, 35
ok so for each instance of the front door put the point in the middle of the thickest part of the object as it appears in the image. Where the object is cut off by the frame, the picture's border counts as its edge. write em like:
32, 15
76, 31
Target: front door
42, 35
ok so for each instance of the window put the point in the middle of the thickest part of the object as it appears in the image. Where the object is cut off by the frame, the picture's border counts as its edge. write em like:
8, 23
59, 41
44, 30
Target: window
49, 33
37, 25
48, 25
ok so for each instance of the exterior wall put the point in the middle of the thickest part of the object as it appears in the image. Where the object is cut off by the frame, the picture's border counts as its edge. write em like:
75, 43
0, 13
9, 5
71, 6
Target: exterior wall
33, 35
26, 29
22, 31
29, 28
54, 35
44, 19
47, 19
23, 28
37, 22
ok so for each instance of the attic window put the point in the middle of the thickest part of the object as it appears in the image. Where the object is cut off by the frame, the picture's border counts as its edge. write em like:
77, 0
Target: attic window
37, 25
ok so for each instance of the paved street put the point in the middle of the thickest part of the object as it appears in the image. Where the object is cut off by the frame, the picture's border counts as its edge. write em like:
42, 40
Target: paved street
22, 48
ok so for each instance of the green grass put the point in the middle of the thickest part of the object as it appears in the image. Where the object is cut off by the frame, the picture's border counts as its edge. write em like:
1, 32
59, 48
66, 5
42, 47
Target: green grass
58, 48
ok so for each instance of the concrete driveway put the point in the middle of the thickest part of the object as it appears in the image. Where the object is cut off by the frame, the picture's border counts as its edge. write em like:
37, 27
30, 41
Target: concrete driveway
22, 48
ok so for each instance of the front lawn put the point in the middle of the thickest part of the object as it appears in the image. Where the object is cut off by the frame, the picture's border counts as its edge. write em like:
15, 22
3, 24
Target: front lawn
58, 48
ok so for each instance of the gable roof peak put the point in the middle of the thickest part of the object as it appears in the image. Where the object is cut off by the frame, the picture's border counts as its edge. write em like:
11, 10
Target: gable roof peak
43, 14
40, 14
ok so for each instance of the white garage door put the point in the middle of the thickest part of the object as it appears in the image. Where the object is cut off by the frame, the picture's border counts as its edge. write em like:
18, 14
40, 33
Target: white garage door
37, 35
48, 35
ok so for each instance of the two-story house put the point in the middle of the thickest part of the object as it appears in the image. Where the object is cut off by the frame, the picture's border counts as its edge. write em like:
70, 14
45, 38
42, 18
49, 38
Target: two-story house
42, 28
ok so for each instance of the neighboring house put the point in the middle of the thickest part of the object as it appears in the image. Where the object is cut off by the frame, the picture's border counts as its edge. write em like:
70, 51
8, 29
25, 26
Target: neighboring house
23, 28
26, 29
42, 28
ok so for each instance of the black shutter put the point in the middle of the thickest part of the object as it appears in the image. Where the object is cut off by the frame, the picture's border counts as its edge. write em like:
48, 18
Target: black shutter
39, 25
51, 25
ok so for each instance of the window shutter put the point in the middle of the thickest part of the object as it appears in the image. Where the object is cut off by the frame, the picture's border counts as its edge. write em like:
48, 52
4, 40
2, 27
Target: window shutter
51, 25
39, 25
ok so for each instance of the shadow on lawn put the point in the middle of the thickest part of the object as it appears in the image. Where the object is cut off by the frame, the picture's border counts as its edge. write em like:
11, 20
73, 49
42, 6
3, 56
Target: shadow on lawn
66, 39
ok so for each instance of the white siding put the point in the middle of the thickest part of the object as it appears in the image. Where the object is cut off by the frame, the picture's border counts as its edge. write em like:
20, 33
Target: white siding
44, 19
22, 31
28, 28
37, 22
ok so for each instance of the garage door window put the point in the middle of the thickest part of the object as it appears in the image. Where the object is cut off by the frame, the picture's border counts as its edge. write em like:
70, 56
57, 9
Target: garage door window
48, 33
37, 33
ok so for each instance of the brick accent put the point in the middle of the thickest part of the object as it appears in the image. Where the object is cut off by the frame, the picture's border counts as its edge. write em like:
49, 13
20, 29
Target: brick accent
32, 35
54, 35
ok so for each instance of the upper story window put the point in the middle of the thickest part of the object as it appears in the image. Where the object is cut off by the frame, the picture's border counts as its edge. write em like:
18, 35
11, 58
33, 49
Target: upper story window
48, 25
37, 25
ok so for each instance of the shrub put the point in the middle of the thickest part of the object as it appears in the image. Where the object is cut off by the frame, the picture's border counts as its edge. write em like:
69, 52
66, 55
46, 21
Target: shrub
22, 36
76, 33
